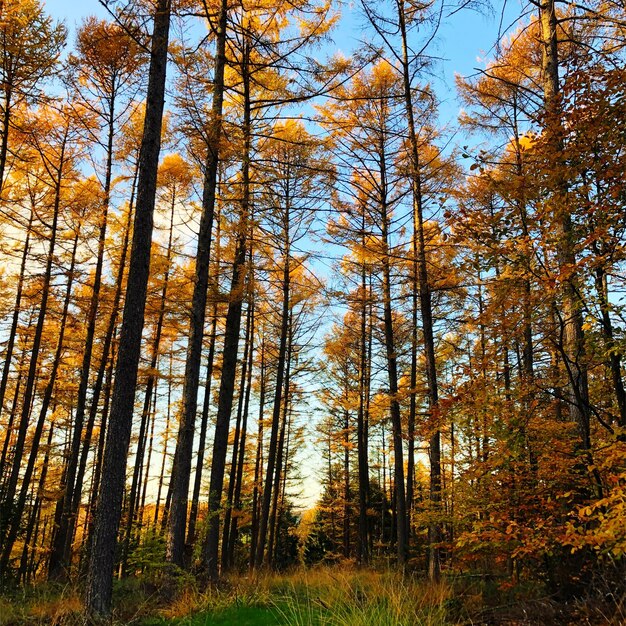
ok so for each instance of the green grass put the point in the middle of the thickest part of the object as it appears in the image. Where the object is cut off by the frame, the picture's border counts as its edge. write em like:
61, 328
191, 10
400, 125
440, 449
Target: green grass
234, 615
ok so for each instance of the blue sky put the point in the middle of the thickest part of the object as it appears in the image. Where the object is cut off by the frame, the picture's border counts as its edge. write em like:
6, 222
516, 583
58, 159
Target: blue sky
464, 40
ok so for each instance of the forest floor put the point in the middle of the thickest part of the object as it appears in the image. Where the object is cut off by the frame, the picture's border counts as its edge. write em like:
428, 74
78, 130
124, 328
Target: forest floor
328, 596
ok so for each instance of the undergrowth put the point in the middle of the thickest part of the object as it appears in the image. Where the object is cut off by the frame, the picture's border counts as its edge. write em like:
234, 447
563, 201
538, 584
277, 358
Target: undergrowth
324, 596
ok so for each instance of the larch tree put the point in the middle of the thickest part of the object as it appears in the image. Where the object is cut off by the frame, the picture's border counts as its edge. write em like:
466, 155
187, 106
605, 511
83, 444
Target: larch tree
105, 70
108, 512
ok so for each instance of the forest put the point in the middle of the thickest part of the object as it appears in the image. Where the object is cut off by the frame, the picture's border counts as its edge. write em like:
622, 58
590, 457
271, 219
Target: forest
279, 345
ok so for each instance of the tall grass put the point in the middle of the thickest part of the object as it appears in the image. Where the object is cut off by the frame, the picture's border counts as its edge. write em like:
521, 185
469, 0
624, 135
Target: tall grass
357, 598
323, 596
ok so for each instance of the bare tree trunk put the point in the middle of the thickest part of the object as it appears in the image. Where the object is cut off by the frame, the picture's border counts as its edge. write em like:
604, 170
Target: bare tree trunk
280, 372
150, 387
59, 565
362, 447
99, 585
346, 485
43, 411
226, 392
30, 539
236, 441
257, 492
197, 483
231, 345
242, 446
8, 441
425, 299
571, 317
204, 421
615, 355
99, 456
165, 441
181, 469
275, 489
392, 372
410, 470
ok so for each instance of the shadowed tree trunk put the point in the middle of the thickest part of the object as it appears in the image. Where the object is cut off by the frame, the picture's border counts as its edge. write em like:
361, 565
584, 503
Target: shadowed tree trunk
150, 388
572, 346
425, 301
166, 436
239, 436
258, 463
12, 334
242, 447
276, 411
204, 421
362, 447
99, 585
275, 488
181, 469
231, 345
59, 558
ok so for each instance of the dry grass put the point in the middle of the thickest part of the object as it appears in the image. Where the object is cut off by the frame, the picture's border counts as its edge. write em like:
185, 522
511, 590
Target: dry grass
43, 605
351, 597
322, 596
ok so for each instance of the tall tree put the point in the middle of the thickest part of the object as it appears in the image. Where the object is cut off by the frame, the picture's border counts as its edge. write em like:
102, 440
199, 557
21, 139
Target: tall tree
105, 67
108, 513
181, 469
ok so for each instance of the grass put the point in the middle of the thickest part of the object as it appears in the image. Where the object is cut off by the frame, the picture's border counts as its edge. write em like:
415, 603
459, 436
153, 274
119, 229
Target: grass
240, 615
324, 596
316, 597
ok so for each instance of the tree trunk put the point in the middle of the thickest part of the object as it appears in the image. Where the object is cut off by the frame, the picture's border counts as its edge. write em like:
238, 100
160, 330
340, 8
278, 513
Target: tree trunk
571, 317
77, 491
242, 447
231, 341
227, 388
239, 433
19, 507
615, 355
362, 451
99, 585
275, 489
280, 372
257, 492
150, 387
166, 436
425, 299
181, 469
204, 422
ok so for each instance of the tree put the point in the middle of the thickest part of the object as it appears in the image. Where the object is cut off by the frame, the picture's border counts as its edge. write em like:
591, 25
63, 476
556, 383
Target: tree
31, 43
370, 136
108, 513
181, 469
105, 70
52, 145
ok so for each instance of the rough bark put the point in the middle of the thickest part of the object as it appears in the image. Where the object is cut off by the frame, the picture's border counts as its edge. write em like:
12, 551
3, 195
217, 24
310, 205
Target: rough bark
181, 469
99, 585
